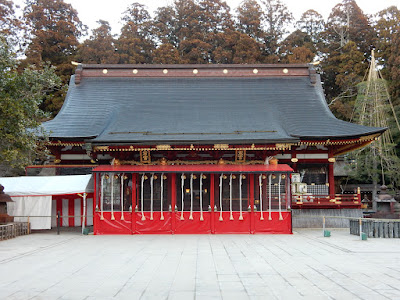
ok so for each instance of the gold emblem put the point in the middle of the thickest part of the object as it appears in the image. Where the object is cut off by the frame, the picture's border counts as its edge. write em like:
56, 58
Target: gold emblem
101, 148
240, 156
221, 146
145, 157
163, 147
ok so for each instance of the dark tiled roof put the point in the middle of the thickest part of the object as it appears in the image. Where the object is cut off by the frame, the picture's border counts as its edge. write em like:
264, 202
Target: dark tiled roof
199, 110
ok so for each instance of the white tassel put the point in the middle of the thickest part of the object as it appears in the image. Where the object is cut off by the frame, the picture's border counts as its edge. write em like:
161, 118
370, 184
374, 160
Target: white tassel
220, 197
141, 198
261, 200
201, 197
279, 196
122, 197
112, 198
183, 195
191, 197
240, 197
102, 197
230, 197
151, 195
162, 196
269, 200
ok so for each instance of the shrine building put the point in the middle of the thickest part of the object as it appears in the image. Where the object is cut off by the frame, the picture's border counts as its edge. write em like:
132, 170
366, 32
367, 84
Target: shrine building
203, 148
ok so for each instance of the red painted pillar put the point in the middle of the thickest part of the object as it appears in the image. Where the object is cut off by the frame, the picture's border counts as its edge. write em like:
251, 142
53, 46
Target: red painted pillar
172, 187
252, 214
133, 194
248, 192
212, 201
331, 180
96, 195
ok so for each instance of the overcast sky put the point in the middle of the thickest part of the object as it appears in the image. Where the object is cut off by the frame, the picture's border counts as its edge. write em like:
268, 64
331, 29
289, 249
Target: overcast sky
89, 11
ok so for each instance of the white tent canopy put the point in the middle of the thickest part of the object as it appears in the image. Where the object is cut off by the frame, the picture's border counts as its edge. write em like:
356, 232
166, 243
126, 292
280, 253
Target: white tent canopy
47, 185
32, 195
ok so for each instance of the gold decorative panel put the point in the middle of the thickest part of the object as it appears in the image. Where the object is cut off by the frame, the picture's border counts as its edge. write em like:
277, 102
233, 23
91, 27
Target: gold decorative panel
145, 157
240, 156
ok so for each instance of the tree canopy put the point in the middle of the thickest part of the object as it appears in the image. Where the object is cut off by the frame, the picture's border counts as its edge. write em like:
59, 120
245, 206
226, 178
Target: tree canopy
209, 31
21, 94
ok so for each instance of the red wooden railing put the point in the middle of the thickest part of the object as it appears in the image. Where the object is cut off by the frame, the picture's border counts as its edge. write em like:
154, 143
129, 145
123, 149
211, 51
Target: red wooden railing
327, 201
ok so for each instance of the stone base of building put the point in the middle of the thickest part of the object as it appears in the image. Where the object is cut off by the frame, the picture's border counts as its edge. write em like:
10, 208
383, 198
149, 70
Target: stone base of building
313, 218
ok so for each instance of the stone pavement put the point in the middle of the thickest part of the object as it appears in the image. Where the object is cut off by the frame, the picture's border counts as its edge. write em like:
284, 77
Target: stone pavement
304, 265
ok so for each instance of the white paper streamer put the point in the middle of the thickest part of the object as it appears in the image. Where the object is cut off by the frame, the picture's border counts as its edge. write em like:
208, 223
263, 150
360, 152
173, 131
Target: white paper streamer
102, 198
220, 196
162, 196
261, 199
122, 197
201, 197
240, 197
270, 196
230, 198
279, 197
141, 198
151, 195
183, 195
191, 197
112, 197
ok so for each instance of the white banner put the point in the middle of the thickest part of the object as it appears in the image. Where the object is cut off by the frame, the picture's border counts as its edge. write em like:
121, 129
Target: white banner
39, 206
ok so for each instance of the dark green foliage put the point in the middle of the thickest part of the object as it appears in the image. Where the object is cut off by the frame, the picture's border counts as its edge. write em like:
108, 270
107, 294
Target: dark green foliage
52, 29
21, 94
205, 31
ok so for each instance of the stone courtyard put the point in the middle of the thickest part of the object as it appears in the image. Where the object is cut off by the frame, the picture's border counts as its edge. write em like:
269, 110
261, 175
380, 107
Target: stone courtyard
304, 265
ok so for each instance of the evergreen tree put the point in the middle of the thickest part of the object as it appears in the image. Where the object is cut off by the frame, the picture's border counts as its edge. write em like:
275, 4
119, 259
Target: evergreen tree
347, 39
215, 17
9, 23
277, 19
250, 19
342, 71
312, 23
297, 48
52, 32
394, 67
135, 45
21, 93
99, 48
215, 21
348, 23
187, 14
236, 48
387, 26
166, 54
164, 26
53, 29
195, 51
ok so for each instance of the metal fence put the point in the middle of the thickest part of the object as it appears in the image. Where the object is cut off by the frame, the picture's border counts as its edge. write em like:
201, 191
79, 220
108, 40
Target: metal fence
58, 217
